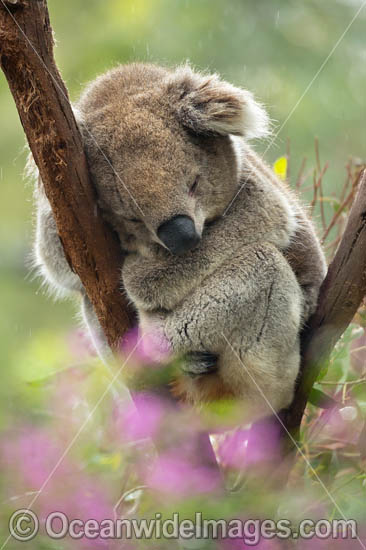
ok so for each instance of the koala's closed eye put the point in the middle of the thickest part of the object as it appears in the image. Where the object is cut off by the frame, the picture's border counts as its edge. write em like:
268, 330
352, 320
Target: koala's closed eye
133, 220
194, 186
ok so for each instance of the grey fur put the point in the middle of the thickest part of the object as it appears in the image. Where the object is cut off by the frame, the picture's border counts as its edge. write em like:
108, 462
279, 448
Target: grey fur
253, 279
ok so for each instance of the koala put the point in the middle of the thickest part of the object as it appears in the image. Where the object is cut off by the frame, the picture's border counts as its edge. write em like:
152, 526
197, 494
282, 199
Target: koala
222, 263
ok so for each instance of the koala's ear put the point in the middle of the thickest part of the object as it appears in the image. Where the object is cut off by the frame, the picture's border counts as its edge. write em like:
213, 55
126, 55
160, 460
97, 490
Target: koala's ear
208, 105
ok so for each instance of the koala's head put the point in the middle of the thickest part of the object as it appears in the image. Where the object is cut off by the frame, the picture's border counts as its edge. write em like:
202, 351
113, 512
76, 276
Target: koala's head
161, 153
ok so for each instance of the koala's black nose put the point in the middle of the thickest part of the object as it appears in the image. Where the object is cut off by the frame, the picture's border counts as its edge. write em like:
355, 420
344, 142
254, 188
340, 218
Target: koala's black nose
179, 234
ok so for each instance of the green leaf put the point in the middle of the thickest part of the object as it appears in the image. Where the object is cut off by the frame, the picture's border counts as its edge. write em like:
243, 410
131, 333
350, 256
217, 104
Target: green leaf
321, 400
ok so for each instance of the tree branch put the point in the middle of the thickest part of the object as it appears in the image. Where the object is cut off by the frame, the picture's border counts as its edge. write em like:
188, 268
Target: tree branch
340, 296
91, 248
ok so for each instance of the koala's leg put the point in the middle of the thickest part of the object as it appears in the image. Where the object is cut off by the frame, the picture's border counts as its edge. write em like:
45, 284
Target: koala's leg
249, 315
307, 260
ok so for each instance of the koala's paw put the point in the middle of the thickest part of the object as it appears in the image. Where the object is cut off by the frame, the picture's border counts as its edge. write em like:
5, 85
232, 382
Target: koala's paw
198, 363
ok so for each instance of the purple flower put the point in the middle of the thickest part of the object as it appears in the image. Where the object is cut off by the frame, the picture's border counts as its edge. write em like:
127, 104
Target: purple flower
34, 453
150, 347
252, 447
141, 419
175, 475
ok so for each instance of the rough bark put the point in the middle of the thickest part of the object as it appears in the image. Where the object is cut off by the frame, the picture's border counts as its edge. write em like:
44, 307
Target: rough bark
340, 296
92, 249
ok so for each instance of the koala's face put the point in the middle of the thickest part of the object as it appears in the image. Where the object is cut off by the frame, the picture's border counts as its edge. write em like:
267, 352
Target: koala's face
167, 184
161, 154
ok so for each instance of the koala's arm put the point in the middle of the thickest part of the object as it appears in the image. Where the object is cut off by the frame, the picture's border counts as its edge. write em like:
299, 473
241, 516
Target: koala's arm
50, 260
259, 214
235, 301
49, 256
216, 306
162, 283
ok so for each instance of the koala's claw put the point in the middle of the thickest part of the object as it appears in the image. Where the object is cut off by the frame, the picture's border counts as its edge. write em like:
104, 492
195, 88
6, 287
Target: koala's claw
197, 363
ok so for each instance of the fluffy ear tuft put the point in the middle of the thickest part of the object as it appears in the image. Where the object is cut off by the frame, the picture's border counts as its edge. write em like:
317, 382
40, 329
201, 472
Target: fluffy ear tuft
208, 105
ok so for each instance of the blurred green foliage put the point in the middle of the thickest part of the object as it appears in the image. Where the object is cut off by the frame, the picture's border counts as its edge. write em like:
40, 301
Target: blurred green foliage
274, 48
